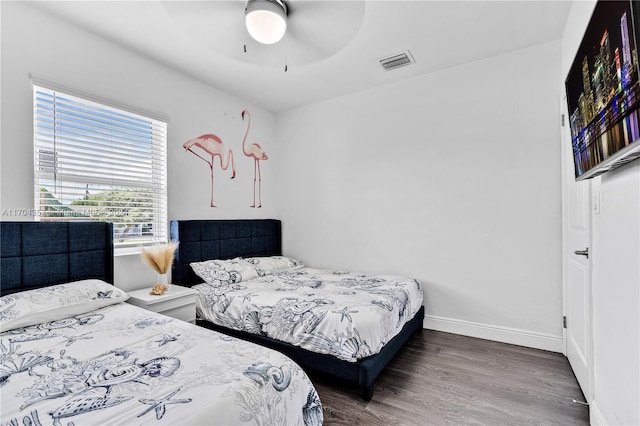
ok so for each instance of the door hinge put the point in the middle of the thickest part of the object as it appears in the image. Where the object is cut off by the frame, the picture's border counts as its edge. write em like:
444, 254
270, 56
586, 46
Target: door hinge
562, 120
564, 322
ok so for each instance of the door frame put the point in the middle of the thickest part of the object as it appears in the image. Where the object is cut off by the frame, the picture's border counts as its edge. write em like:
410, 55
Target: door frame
593, 195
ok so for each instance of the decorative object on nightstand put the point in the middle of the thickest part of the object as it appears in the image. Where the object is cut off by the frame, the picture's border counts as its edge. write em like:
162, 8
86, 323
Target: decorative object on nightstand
160, 259
158, 289
179, 303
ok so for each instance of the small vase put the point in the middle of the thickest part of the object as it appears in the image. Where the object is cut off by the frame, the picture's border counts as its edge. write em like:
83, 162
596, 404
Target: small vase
163, 280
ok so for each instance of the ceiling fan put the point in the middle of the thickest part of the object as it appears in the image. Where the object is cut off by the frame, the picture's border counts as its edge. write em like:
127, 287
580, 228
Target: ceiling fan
304, 31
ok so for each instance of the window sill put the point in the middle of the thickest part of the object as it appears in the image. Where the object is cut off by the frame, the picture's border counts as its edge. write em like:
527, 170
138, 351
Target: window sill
126, 251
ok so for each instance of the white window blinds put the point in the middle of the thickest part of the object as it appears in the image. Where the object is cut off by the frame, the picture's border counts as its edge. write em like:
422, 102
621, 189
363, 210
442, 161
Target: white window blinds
96, 162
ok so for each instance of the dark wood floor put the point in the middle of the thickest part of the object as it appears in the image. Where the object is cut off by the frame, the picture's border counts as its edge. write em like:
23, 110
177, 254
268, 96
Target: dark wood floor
446, 379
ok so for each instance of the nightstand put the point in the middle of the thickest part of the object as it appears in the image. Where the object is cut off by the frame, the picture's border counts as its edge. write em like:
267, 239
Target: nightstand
179, 302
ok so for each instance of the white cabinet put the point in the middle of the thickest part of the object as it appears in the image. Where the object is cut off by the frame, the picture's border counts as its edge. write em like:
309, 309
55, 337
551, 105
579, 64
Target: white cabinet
179, 302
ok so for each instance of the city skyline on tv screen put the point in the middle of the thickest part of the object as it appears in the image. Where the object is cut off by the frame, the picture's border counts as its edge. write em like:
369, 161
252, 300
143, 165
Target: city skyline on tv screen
603, 90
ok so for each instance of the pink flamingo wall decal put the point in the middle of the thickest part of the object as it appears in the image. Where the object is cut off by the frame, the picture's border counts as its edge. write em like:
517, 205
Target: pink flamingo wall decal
213, 146
257, 153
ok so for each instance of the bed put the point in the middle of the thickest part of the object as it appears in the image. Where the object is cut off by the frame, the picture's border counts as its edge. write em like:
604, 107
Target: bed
243, 306
71, 352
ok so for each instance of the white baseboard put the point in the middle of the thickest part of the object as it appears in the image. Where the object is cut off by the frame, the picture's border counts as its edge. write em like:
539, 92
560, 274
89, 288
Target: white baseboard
514, 336
595, 415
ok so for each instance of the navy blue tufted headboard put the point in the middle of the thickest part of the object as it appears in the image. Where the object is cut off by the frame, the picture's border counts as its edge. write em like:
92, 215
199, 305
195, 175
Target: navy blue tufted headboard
40, 254
221, 239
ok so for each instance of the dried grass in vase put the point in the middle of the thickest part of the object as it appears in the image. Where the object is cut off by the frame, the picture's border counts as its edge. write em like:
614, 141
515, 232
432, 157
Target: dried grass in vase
160, 259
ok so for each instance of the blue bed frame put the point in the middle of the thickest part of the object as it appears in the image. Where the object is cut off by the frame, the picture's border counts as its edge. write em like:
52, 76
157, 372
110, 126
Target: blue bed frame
41, 254
225, 239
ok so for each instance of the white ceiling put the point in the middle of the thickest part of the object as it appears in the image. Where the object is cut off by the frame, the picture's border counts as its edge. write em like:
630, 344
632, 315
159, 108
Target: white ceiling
332, 47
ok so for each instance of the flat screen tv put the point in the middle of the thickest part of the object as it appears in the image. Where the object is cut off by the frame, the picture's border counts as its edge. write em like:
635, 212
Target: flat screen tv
603, 91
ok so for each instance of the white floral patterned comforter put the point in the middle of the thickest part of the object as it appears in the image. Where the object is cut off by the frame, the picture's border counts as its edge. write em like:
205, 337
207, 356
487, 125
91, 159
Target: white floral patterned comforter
124, 365
344, 314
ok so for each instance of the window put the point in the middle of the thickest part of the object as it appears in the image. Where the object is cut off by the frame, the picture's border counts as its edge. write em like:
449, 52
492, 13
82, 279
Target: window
96, 162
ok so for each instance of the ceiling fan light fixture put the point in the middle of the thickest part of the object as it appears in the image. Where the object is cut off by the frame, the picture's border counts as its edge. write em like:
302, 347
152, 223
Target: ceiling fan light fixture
266, 20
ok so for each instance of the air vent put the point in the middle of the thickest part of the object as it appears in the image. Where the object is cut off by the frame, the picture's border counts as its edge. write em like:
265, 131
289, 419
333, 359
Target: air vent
396, 61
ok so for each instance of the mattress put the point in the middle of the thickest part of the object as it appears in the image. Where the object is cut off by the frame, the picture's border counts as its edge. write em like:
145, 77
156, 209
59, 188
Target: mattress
344, 314
120, 364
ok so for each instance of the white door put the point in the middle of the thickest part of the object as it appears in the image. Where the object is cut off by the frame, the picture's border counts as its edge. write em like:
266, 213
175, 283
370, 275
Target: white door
576, 224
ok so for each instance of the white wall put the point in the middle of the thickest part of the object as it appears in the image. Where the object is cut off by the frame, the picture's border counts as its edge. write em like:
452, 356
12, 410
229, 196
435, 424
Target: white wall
615, 255
33, 42
451, 177
616, 297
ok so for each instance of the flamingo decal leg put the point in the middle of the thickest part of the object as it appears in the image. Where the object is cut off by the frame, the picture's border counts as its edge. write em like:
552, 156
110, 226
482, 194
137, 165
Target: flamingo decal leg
211, 166
254, 185
259, 186
256, 173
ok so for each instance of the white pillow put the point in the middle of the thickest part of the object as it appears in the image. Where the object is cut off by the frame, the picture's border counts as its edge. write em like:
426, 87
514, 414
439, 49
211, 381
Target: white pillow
270, 265
218, 272
56, 302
